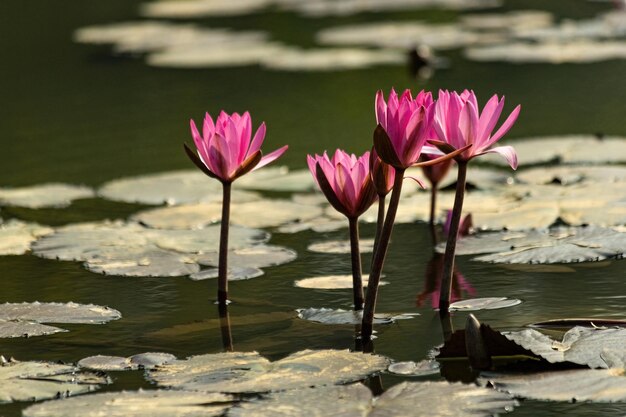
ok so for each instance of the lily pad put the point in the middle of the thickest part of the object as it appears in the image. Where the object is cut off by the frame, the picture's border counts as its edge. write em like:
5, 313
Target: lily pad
235, 273
16, 236
577, 52
257, 214
582, 322
177, 187
595, 385
573, 174
330, 59
489, 303
341, 246
410, 368
35, 381
339, 316
105, 363
321, 224
25, 319
512, 21
278, 179
257, 256
44, 195
557, 245
331, 282
186, 9
580, 345
129, 249
153, 403
251, 373
404, 399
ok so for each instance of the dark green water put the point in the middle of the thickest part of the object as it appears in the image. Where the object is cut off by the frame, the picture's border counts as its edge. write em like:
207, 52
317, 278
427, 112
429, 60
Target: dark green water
77, 114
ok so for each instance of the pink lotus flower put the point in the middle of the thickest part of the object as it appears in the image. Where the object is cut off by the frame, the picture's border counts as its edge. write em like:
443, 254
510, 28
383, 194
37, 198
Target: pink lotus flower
224, 148
407, 123
458, 123
345, 181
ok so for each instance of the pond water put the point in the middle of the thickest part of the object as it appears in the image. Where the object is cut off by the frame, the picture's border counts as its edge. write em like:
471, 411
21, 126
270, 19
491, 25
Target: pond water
79, 114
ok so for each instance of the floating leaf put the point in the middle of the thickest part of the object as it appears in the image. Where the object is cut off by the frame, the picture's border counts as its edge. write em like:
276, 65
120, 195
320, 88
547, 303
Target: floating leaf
146, 360
235, 273
44, 195
596, 385
569, 323
331, 282
250, 372
129, 249
557, 245
35, 381
158, 403
195, 8
257, 256
321, 224
404, 399
572, 174
177, 187
339, 316
512, 21
24, 319
410, 368
331, 59
278, 179
489, 303
580, 51
341, 246
580, 345
16, 236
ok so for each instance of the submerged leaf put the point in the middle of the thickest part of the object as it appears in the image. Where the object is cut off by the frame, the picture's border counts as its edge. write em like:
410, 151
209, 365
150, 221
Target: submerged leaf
159, 403
34, 381
250, 372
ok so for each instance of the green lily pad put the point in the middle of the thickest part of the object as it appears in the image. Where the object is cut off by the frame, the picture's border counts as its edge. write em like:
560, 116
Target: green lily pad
404, 399
410, 368
573, 174
341, 246
250, 372
512, 21
44, 195
16, 237
26, 319
36, 381
594, 385
257, 256
152, 403
331, 59
331, 282
105, 363
339, 316
234, 273
278, 179
489, 303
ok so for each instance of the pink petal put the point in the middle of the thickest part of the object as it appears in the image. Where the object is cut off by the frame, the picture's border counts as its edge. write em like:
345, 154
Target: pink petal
489, 117
508, 123
508, 152
219, 157
201, 145
381, 109
431, 150
271, 157
312, 163
208, 127
257, 141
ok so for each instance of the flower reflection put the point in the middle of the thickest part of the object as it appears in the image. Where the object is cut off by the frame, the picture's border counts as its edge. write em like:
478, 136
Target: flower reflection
432, 284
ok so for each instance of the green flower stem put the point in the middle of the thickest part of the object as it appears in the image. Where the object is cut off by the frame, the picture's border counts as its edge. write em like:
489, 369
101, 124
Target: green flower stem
448, 260
222, 276
379, 258
227, 337
357, 281
379, 224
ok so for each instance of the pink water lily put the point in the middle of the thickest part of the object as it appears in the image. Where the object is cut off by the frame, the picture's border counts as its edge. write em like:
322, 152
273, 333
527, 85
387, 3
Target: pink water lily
407, 122
345, 180
226, 148
458, 122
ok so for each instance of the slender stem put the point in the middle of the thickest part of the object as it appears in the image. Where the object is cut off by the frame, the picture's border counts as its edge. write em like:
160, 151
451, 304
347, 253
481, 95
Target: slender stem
222, 277
448, 260
227, 337
433, 209
357, 282
379, 224
446, 325
379, 258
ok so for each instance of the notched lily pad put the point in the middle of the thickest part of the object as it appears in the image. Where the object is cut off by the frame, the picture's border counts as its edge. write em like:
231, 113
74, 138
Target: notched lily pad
331, 282
16, 236
25, 319
595, 385
251, 373
341, 246
410, 368
153, 403
44, 195
339, 316
557, 245
489, 303
404, 399
105, 363
35, 381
